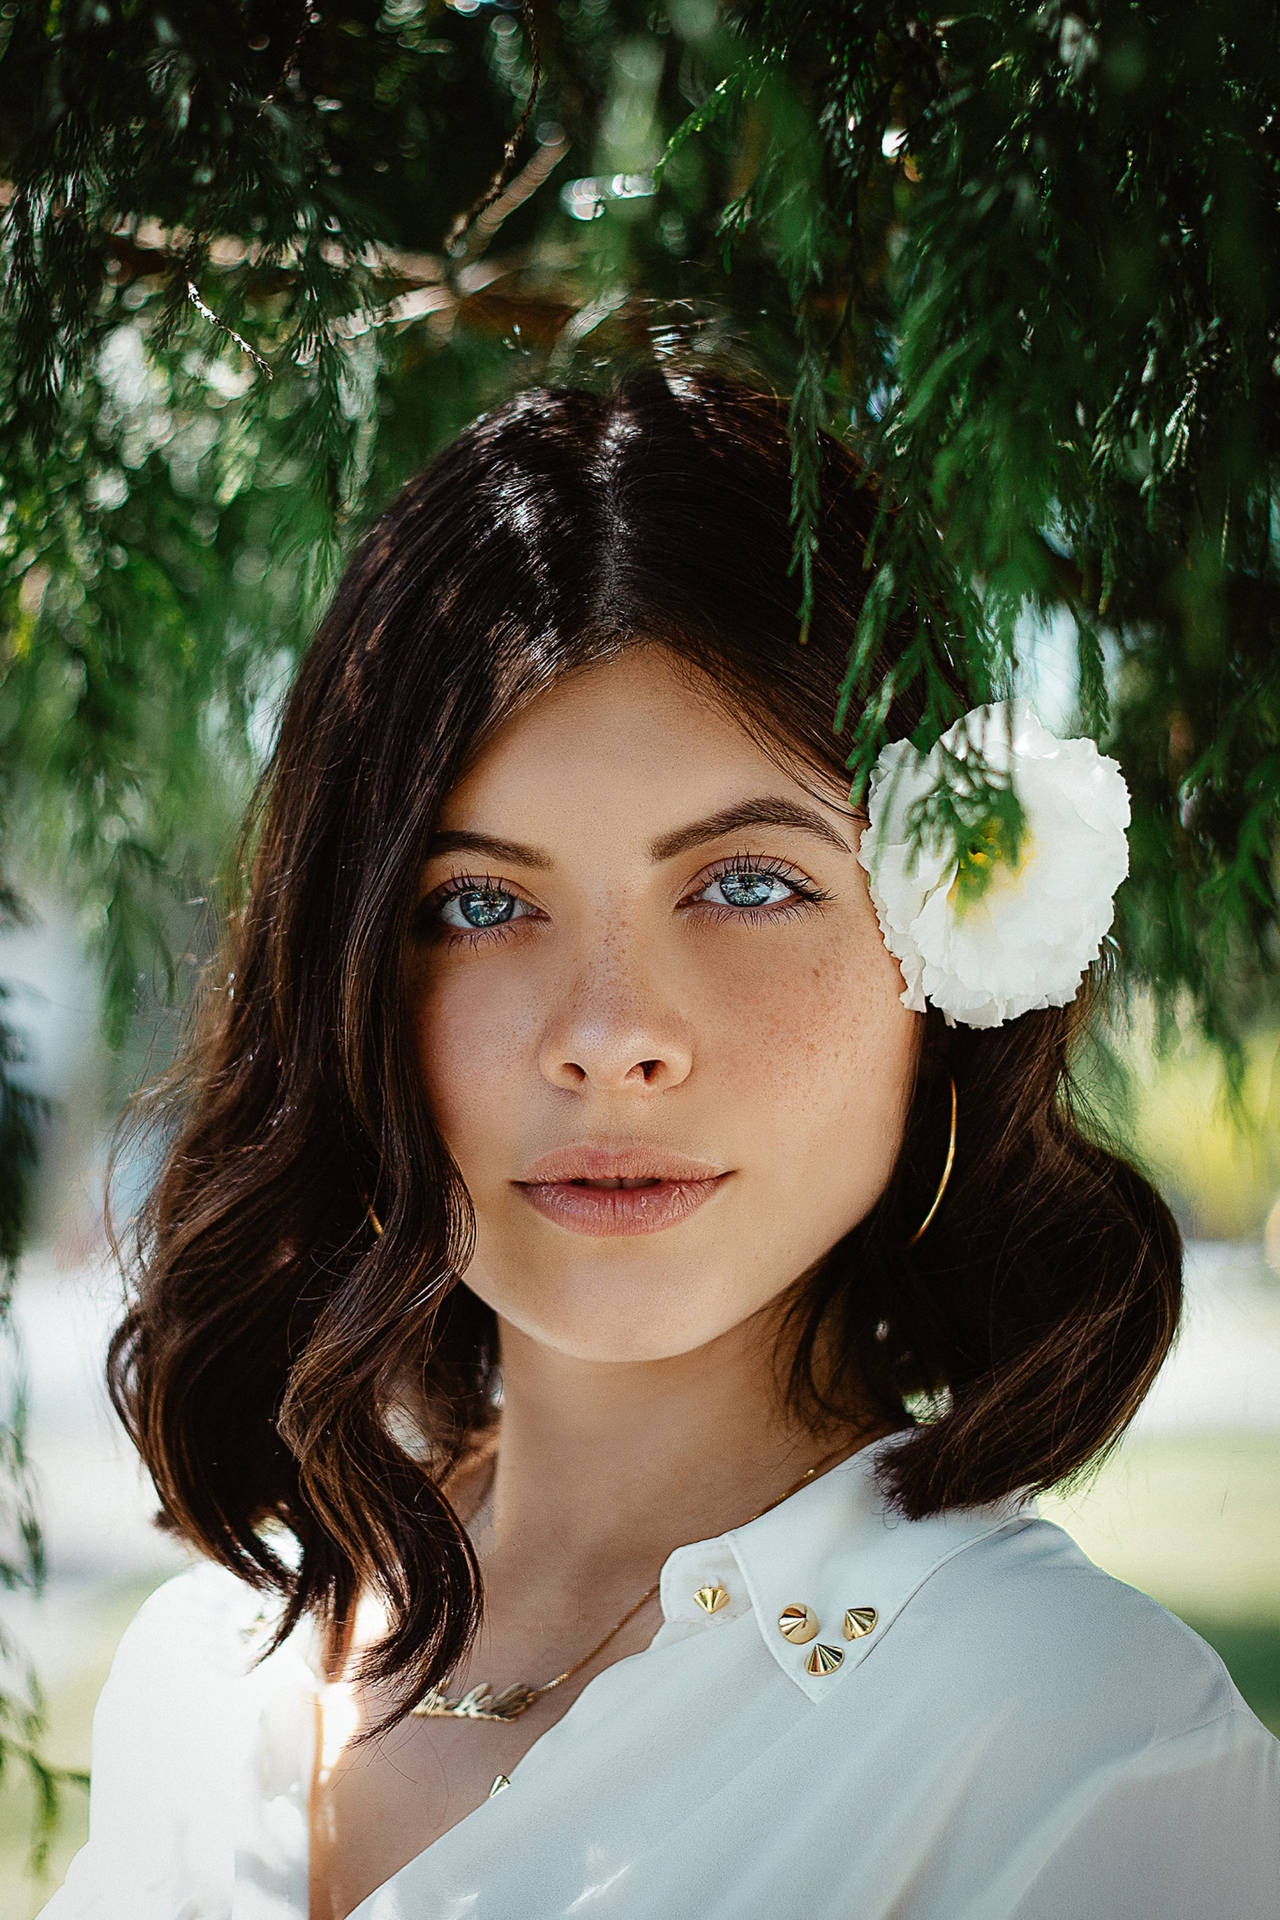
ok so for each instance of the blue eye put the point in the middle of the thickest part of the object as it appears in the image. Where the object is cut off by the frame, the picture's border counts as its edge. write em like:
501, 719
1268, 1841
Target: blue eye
743, 888
746, 883
480, 908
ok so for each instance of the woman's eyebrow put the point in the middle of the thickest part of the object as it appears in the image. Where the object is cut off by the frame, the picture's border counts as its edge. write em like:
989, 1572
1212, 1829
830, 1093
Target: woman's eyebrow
462, 840
768, 810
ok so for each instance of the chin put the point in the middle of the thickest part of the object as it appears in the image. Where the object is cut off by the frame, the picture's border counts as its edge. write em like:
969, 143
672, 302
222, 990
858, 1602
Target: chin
621, 1346
603, 1315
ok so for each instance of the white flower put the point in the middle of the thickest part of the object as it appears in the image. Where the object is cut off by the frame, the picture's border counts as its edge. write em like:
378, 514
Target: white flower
1027, 940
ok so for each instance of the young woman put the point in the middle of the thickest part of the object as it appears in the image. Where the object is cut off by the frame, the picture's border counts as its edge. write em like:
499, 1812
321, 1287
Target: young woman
609, 1298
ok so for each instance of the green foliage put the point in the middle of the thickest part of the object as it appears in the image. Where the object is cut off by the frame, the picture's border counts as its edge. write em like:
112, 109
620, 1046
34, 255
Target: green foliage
22, 1564
1024, 258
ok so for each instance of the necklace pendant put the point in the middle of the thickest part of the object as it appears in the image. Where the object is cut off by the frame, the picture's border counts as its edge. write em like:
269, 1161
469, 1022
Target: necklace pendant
479, 1704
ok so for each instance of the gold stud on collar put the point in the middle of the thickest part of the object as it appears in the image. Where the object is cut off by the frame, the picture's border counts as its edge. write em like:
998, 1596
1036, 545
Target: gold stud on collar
711, 1599
859, 1620
823, 1659
798, 1623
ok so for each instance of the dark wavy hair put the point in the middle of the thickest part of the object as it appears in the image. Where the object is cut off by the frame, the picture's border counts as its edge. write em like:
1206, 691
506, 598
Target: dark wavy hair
298, 1386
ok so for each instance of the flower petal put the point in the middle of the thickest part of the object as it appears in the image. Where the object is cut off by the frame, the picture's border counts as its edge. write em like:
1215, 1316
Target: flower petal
1027, 941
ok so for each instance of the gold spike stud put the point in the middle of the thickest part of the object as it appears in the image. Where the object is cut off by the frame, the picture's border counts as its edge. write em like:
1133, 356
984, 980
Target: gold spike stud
500, 1781
859, 1620
711, 1599
798, 1623
823, 1659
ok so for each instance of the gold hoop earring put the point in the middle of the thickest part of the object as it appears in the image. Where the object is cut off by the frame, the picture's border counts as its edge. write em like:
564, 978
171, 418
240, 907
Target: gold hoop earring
377, 1224
946, 1171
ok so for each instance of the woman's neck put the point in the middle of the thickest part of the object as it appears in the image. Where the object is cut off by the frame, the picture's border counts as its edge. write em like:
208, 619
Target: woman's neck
605, 1467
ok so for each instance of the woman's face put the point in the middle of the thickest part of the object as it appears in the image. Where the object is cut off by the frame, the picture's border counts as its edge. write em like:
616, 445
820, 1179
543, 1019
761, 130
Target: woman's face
601, 990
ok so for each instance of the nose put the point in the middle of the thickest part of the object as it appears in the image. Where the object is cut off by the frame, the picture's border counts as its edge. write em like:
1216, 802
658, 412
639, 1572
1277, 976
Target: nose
615, 1023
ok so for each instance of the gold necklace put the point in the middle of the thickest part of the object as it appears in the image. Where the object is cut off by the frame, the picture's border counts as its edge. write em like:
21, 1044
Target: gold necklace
481, 1703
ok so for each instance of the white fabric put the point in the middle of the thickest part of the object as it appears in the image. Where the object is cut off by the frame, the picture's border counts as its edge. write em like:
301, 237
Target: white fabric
1021, 1737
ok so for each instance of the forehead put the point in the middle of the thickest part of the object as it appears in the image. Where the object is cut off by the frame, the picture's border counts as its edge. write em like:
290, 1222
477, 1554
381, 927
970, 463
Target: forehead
641, 732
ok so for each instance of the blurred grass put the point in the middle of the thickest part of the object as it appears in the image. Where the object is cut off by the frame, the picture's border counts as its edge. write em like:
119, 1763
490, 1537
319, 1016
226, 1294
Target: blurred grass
1192, 1519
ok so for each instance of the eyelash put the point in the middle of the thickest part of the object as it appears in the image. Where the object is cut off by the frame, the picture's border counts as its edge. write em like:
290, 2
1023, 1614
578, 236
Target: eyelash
425, 926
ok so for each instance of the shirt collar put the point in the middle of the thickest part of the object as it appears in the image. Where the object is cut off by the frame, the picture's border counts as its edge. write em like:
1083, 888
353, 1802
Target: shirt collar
833, 1546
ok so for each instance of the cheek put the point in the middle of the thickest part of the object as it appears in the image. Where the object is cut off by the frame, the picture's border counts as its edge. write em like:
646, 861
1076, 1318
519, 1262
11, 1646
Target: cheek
818, 1069
472, 1051
824, 1035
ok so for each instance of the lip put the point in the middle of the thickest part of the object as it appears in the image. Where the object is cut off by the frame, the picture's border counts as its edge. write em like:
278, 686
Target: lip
627, 1160
681, 1185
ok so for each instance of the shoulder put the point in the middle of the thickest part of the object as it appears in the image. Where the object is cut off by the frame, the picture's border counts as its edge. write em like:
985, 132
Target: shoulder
189, 1672
202, 1597
168, 1756
1093, 1751
1046, 1629
199, 1621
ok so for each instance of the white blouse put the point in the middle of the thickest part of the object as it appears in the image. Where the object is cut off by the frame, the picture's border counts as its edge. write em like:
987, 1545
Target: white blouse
1019, 1735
